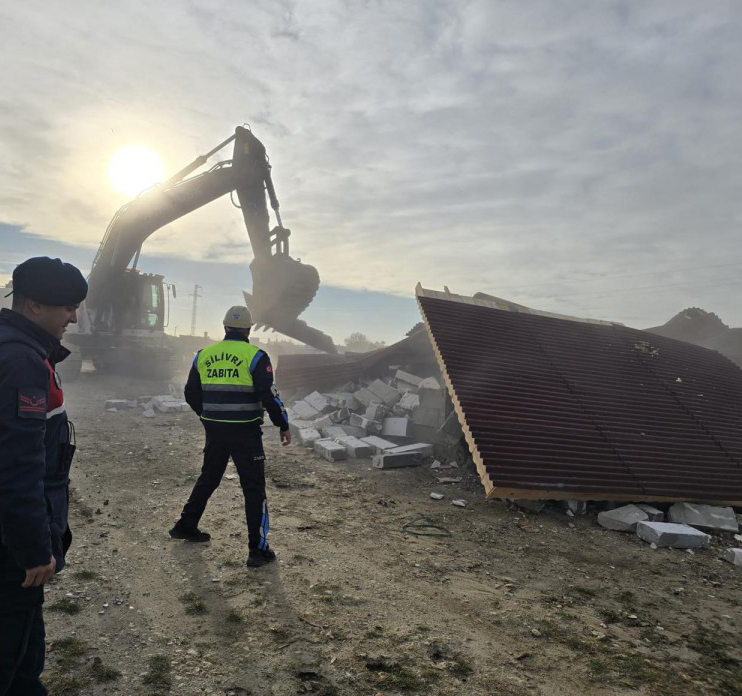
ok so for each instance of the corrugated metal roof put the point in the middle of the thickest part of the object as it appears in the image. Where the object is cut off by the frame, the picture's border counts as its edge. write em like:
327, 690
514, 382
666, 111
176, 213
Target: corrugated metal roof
560, 408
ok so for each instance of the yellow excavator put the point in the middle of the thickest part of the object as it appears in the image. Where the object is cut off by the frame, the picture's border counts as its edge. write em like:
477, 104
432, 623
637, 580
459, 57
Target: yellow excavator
123, 326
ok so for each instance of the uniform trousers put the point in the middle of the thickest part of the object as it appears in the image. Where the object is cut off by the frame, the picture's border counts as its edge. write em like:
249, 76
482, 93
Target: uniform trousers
22, 652
245, 447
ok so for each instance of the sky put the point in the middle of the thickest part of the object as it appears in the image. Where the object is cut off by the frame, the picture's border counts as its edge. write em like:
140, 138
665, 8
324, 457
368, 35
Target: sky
580, 157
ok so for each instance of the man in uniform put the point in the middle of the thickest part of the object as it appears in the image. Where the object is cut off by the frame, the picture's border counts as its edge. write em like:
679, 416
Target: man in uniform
37, 451
229, 386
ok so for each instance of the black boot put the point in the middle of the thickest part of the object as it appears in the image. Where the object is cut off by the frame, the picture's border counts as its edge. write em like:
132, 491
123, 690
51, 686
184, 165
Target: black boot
181, 532
259, 557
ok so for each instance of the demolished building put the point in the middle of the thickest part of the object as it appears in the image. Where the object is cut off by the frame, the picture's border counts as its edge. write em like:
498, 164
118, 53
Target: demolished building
547, 406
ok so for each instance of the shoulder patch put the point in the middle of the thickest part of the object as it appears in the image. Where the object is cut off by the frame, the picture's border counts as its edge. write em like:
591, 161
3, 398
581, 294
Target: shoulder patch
32, 403
269, 368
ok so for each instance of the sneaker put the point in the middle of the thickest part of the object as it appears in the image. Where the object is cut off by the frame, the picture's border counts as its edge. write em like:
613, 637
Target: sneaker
259, 557
180, 532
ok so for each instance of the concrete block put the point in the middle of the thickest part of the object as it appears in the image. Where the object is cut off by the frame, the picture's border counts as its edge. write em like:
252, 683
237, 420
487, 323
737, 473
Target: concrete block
409, 402
396, 461
378, 444
365, 423
653, 513
364, 396
376, 411
706, 517
734, 556
149, 413
171, 406
354, 447
319, 402
323, 422
308, 436
407, 378
383, 391
332, 431
451, 432
296, 425
304, 410
432, 394
354, 430
330, 450
431, 417
576, 507
622, 519
120, 404
677, 536
343, 400
396, 427
424, 449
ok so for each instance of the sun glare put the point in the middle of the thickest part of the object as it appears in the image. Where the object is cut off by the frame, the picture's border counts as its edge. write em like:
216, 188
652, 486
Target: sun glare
135, 168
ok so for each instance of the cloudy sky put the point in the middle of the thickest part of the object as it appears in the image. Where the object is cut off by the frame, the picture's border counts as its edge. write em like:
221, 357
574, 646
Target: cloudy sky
578, 157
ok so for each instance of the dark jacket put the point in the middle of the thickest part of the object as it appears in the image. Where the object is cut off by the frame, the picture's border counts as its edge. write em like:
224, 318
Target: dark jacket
262, 375
35, 456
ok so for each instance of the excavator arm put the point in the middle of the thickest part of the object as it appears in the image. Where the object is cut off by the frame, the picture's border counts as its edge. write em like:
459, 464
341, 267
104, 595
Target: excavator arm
282, 287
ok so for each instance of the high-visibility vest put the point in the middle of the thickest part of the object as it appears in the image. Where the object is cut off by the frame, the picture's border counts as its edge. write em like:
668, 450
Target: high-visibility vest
227, 389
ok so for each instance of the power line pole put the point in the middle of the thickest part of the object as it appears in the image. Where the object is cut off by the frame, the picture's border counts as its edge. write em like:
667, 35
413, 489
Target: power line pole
195, 297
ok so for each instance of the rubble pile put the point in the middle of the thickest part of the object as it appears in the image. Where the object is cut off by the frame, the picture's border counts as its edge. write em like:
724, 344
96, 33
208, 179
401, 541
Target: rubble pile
399, 421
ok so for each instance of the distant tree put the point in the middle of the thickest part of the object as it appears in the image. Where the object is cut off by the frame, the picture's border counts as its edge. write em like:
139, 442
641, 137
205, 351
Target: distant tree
359, 343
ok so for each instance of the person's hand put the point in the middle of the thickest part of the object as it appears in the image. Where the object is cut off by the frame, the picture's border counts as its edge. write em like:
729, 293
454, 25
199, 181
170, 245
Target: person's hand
285, 437
40, 575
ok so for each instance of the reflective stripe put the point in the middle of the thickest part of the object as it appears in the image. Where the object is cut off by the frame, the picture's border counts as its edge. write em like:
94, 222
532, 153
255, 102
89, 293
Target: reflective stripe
228, 387
56, 411
232, 407
231, 420
254, 361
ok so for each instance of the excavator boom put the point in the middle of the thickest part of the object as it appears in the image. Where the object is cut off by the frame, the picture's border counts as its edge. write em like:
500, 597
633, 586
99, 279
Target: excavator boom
282, 286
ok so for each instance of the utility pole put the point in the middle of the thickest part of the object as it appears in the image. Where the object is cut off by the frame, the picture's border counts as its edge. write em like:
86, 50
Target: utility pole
195, 297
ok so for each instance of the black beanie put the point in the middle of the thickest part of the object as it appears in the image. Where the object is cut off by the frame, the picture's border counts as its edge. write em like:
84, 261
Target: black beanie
50, 281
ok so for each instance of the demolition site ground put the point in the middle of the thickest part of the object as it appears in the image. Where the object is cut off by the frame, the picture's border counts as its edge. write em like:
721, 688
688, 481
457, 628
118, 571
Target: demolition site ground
360, 602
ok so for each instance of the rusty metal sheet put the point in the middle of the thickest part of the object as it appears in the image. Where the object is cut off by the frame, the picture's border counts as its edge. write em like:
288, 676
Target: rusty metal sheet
556, 408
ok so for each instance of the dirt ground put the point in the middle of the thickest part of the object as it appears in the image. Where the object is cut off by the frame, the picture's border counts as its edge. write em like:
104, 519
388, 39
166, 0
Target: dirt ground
510, 603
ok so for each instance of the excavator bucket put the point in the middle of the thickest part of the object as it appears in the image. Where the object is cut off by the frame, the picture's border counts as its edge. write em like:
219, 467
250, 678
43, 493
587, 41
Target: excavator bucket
282, 289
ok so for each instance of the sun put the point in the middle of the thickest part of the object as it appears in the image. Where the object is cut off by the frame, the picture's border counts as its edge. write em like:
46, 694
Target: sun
135, 168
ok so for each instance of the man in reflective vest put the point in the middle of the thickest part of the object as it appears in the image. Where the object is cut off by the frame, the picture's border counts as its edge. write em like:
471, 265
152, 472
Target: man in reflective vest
229, 386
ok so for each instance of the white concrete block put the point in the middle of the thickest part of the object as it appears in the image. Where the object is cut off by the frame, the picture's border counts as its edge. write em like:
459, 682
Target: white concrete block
407, 378
431, 394
307, 436
354, 447
430, 417
653, 513
734, 556
396, 427
378, 444
383, 391
376, 411
424, 449
365, 423
318, 402
677, 536
330, 450
364, 396
708, 517
622, 519
396, 461
304, 410
332, 431
409, 402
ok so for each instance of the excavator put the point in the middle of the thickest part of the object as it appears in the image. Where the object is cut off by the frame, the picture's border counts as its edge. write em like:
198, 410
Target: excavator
123, 324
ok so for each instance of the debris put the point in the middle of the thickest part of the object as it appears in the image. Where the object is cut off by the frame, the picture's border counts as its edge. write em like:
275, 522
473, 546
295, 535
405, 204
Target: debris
396, 427
446, 479
383, 391
396, 461
459, 502
576, 507
530, 505
376, 411
330, 450
169, 404
409, 402
425, 526
305, 411
365, 397
318, 402
406, 379
622, 519
378, 444
307, 436
431, 394
707, 517
149, 413
437, 496
733, 556
653, 513
120, 404
424, 449
428, 416
354, 447
667, 534
365, 423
